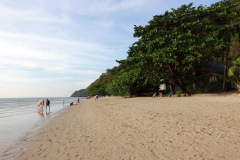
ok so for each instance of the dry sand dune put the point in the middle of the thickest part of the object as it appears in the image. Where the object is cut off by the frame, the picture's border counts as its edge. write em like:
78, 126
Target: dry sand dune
198, 127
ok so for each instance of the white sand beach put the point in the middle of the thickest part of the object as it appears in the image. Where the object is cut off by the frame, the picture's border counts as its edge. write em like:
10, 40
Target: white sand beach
145, 128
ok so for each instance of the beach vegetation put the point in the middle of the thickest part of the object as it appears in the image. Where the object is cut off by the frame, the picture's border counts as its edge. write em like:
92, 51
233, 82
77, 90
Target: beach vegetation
228, 19
234, 73
135, 81
179, 91
176, 48
173, 45
100, 85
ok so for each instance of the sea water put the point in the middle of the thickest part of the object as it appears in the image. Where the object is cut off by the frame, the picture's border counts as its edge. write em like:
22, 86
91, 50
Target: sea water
20, 117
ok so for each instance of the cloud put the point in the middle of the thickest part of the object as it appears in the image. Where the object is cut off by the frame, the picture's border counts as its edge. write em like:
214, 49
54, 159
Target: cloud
65, 45
95, 7
34, 61
41, 49
31, 12
60, 11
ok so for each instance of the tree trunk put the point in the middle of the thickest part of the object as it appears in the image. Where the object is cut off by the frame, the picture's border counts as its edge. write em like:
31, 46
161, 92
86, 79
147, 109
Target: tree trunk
182, 87
238, 87
170, 85
225, 73
179, 83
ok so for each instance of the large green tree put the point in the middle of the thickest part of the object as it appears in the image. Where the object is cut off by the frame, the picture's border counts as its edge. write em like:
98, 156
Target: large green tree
171, 48
227, 16
174, 44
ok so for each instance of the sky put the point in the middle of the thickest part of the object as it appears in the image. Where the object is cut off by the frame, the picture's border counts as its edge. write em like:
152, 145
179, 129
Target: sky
51, 48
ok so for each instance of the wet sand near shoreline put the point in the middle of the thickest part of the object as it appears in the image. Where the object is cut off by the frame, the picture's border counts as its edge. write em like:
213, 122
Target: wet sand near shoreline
197, 127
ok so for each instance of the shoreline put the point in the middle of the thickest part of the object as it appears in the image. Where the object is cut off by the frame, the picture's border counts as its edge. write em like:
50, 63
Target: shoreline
26, 138
194, 127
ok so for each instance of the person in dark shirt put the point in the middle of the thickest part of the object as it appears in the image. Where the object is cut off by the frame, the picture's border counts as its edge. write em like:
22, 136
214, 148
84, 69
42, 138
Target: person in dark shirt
47, 104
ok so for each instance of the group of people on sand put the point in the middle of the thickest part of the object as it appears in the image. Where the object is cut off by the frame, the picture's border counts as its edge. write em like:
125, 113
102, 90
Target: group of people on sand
155, 95
88, 97
95, 97
171, 93
78, 101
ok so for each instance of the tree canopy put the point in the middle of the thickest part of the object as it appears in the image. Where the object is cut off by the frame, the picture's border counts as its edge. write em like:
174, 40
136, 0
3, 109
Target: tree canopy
171, 48
174, 44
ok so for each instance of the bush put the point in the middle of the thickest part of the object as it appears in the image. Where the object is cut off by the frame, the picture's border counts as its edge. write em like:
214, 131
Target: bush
215, 87
179, 91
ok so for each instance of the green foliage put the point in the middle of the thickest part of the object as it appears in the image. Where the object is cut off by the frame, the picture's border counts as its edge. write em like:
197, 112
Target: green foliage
228, 19
135, 81
172, 45
99, 86
121, 85
234, 71
178, 91
215, 87
200, 90
228, 22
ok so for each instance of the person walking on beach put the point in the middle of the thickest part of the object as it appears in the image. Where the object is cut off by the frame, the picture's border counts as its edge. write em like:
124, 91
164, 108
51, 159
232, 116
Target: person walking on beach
78, 100
96, 98
47, 105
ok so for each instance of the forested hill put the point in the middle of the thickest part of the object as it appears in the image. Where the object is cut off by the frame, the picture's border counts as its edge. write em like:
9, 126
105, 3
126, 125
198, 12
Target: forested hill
80, 93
